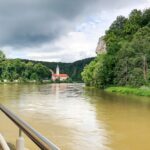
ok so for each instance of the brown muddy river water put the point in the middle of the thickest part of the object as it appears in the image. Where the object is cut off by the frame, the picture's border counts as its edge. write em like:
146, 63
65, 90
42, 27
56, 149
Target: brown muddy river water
75, 118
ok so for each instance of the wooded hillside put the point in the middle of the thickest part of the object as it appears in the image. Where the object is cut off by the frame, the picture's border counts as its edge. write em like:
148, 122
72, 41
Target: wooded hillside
127, 62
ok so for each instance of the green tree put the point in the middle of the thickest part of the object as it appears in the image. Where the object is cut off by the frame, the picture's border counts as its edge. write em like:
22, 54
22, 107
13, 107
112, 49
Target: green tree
29, 71
88, 73
127, 62
16, 69
133, 23
146, 17
2, 56
141, 47
42, 72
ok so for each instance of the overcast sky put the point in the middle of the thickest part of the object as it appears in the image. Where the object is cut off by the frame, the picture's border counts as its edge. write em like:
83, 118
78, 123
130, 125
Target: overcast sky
58, 30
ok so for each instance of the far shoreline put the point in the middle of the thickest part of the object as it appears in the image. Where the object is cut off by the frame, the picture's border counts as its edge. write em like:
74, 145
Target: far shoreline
37, 82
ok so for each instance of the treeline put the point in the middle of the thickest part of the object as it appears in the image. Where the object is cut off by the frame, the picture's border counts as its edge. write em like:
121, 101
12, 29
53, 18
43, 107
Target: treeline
127, 61
19, 71
72, 69
27, 70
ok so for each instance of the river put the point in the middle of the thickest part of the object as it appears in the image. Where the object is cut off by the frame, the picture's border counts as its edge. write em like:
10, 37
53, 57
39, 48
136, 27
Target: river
75, 118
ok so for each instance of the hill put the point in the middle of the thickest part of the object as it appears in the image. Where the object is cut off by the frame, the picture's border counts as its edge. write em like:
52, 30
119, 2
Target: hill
72, 69
127, 61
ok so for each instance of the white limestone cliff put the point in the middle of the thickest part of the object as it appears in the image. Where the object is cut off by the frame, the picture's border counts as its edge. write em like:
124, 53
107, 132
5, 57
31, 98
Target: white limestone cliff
101, 46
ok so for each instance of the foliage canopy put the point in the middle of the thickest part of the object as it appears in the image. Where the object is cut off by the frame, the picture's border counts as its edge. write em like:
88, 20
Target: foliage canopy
17, 70
127, 62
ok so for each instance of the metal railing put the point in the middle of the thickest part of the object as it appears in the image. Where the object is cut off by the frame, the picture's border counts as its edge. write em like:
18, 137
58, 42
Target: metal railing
42, 142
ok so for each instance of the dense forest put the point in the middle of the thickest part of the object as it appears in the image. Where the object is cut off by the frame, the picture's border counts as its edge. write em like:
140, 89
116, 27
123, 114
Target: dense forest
26, 70
127, 61
72, 69
19, 71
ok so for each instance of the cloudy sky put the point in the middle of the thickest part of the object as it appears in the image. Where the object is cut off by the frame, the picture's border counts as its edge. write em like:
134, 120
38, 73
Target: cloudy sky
58, 30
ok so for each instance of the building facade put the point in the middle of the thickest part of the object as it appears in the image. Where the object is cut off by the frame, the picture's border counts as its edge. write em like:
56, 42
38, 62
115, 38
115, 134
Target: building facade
58, 76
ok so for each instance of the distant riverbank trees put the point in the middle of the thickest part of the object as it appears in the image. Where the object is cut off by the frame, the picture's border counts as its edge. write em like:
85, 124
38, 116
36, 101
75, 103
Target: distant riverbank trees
73, 69
127, 61
17, 70
21, 70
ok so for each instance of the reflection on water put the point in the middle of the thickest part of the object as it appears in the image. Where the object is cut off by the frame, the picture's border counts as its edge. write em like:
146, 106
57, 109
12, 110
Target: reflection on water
75, 118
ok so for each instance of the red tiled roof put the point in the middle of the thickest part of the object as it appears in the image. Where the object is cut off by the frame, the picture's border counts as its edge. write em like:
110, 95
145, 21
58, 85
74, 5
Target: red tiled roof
60, 75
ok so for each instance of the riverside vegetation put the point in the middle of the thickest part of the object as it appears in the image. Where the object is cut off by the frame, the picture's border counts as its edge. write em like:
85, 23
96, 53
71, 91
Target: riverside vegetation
125, 68
73, 69
17, 70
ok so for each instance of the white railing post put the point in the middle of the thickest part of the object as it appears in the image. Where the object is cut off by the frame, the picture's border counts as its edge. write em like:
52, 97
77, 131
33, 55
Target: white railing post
20, 142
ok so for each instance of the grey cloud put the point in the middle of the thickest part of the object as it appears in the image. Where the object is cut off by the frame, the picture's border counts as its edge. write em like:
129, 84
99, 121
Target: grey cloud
33, 22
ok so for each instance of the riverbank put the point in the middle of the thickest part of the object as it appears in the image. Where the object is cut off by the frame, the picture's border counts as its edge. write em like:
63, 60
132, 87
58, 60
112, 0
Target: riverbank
38, 82
143, 91
25, 82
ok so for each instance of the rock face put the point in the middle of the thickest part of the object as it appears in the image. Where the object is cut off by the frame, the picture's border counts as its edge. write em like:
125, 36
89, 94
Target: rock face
101, 46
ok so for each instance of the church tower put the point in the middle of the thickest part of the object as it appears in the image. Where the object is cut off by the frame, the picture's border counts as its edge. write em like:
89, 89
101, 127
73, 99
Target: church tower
57, 70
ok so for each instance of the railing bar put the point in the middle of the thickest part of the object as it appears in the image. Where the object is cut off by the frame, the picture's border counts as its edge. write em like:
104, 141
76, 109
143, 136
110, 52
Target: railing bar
35, 136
